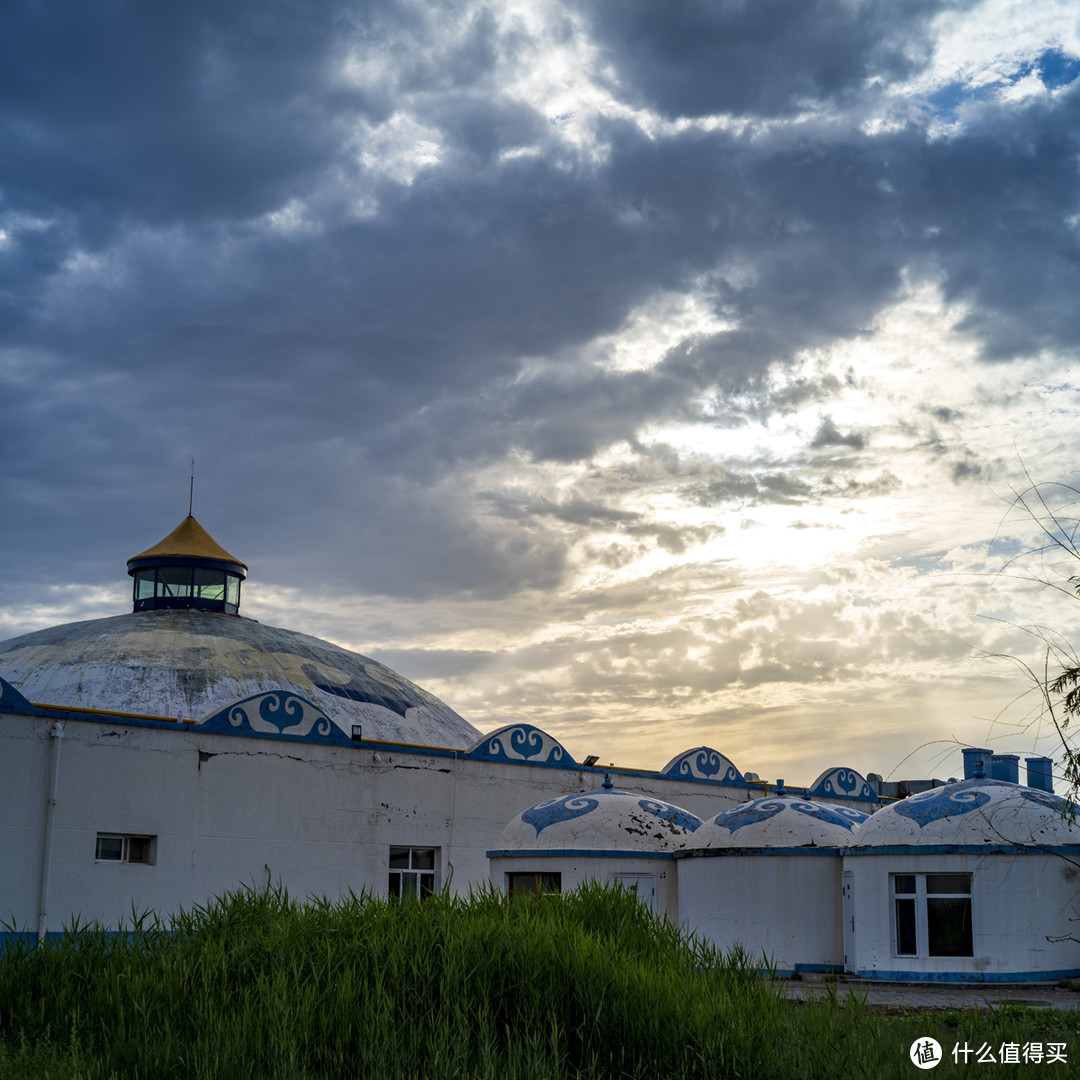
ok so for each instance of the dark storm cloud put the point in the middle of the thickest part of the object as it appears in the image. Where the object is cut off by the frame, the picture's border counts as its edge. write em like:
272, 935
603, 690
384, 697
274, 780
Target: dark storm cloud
346, 368
1009, 247
769, 57
152, 113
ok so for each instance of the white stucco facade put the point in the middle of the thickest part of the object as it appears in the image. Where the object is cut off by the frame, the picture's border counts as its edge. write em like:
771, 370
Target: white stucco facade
605, 835
227, 809
974, 881
158, 759
765, 877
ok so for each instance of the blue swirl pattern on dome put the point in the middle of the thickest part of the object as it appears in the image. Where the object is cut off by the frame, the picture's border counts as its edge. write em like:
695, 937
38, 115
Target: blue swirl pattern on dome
1045, 798
555, 810
823, 813
702, 763
673, 815
950, 801
850, 813
749, 814
522, 743
275, 713
842, 782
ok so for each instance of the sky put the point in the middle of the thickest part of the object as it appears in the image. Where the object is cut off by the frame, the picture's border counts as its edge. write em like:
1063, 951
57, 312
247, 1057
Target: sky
658, 374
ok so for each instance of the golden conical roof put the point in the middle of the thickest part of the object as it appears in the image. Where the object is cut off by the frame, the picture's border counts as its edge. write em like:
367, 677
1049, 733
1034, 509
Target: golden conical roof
188, 540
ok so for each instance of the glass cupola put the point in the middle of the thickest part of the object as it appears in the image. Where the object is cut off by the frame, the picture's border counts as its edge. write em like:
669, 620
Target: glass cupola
188, 569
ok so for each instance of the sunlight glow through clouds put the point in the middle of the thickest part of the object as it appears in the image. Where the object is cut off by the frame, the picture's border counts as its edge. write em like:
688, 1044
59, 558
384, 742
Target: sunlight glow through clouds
653, 373
653, 328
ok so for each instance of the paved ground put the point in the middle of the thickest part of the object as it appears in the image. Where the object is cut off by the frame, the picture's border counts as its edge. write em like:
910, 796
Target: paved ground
896, 995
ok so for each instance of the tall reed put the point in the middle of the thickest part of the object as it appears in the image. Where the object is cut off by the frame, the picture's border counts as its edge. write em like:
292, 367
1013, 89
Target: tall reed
590, 984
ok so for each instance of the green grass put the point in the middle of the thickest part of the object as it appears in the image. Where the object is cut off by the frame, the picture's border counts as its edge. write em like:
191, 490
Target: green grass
586, 985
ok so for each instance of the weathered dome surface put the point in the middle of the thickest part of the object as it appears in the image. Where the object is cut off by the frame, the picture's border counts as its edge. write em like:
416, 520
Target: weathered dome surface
600, 820
979, 811
190, 664
780, 821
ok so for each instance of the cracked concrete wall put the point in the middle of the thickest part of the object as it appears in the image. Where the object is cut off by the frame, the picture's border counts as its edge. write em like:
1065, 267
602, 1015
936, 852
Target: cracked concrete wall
235, 810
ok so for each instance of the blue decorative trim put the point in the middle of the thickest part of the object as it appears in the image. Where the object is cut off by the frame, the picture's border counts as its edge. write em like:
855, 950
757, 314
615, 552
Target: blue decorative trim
522, 744
750, 813
841, 782
673, 815
361, 688
12, 701
1044, 798
708, 853
277, 714
857, 816
703, 763
967, 976
988, 848
577, 853
953, 800
829, 814
565, 808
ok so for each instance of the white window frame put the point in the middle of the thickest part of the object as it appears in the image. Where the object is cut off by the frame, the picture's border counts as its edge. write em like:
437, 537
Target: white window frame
921, 897
413, 879
130, 843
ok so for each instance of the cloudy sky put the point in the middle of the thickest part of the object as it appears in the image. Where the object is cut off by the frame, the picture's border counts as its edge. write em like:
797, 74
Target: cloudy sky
658, 374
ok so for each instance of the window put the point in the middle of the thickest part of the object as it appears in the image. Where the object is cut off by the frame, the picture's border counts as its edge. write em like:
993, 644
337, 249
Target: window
174, 581
187, 586
208, 584
932, 914
115, 848
412, 871
144, 585
534, 884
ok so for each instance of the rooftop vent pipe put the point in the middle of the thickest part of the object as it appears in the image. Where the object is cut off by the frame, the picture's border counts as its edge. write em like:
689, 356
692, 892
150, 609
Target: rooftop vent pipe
976, 762
1040, 773
1005, 767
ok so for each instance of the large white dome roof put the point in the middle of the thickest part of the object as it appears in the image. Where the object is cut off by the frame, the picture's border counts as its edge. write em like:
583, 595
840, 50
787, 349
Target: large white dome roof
190, 664
185, 653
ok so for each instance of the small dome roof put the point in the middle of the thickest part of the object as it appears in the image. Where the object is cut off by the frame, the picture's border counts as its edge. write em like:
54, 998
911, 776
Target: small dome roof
978, 811
602, 820
189, 540
780, 821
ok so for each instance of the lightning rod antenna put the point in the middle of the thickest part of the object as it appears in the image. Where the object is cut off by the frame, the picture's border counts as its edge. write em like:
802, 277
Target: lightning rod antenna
191, 489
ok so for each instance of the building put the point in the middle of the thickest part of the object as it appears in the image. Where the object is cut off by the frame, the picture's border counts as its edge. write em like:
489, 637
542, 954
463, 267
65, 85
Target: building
978, 880
162, 757
601, 835
766, 876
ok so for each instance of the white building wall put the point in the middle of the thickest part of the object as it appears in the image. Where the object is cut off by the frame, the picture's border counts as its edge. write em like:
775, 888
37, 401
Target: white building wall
780, 906
235, 810
1019, 903
577, 869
